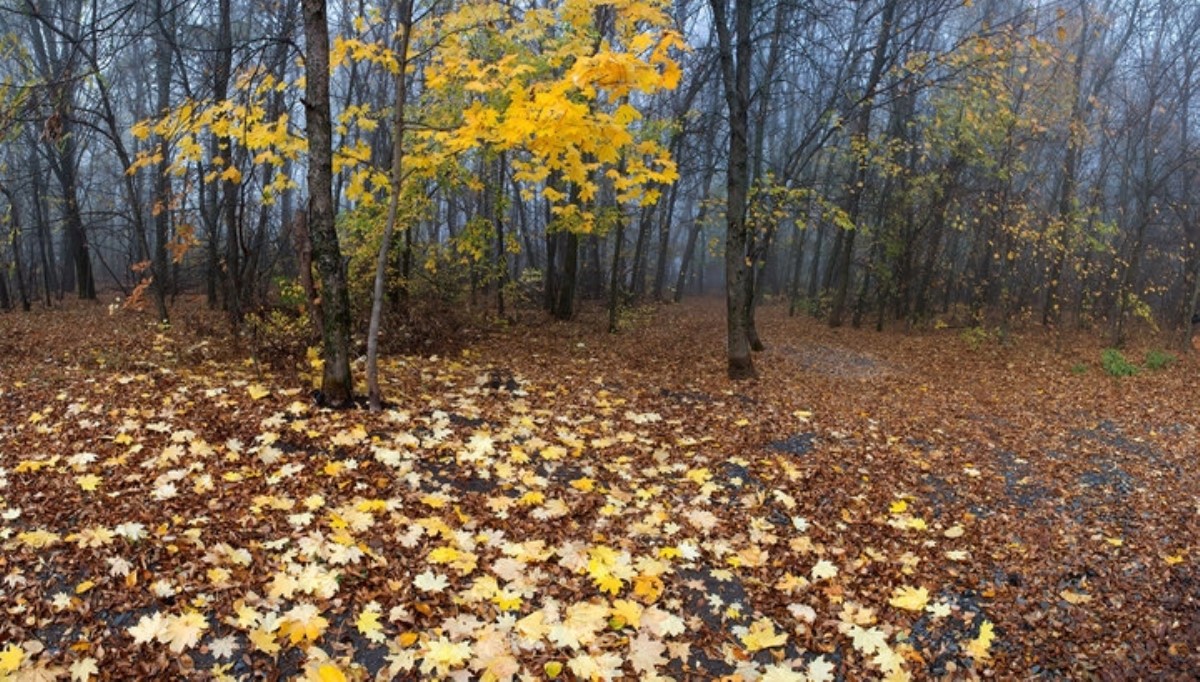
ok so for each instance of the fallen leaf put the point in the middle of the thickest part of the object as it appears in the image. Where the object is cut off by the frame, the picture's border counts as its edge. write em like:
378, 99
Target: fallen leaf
909, 598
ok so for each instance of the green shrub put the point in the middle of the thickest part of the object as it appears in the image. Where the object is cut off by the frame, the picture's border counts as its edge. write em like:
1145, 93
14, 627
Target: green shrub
278, 336
1115, 363
975, 336
1157, 360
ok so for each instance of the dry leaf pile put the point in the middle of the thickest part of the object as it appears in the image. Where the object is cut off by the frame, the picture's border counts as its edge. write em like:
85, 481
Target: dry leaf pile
555, 502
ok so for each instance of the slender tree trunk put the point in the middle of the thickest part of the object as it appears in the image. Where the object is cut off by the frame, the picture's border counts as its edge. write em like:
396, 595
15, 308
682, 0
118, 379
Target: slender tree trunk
550, 278
614, 281
5, 298
44, 239
637, 277
336, 385
735, 69
302, 243
162, 181
77, 268
814, 275
797, 261
853, 197
497, 209
15, 242
374, 396
689, 249
664, 242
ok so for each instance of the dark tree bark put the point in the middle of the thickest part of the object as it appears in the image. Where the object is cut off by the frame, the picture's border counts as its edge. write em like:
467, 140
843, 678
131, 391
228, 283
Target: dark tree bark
40, 213
735, 55
614, 280
564, 304
497, 211
336, 384
15, 242
163, 56
689, 248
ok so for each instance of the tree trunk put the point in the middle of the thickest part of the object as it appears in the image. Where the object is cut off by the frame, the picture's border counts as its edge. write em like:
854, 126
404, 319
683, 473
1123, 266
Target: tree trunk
162, 185
336, 385
664, 242
735, 69
614, 281
374, 396
853, 196
497, 209
637, 276
797, 262
564, 305
44, 239
15, 243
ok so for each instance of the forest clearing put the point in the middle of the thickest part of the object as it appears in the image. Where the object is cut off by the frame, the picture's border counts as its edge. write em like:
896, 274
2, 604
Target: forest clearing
380, 340
555, 501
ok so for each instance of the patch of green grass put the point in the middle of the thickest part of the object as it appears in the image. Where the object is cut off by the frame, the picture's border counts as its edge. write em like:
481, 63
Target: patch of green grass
1115, 363
1079, 368
1159, 359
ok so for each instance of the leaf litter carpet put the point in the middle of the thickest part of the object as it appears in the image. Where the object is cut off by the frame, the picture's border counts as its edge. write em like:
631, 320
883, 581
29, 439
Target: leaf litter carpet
555, 502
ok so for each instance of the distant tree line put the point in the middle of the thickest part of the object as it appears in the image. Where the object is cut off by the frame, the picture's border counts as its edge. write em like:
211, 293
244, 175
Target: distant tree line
877, 162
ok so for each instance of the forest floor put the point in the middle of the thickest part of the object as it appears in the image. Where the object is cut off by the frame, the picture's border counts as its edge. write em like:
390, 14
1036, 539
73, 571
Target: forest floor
554, 501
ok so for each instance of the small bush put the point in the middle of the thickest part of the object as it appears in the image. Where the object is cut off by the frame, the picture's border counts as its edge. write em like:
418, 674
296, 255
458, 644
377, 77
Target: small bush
1115, 364
975, 336
1079, 368
1158, 360
278, 336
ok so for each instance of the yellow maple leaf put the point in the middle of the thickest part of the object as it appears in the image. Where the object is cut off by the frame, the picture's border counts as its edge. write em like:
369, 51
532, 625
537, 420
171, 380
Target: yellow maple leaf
608, 583
648, 588
328, 672
183, 632
38, 539
368, 623
264, 641
443, 555
10, 659
257, 391
506, 600
232, 174
584, 484
627, 612
909, 598
141, 130
442, 655
303, 623
533, 627
89, 482
762, 635
979, 647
